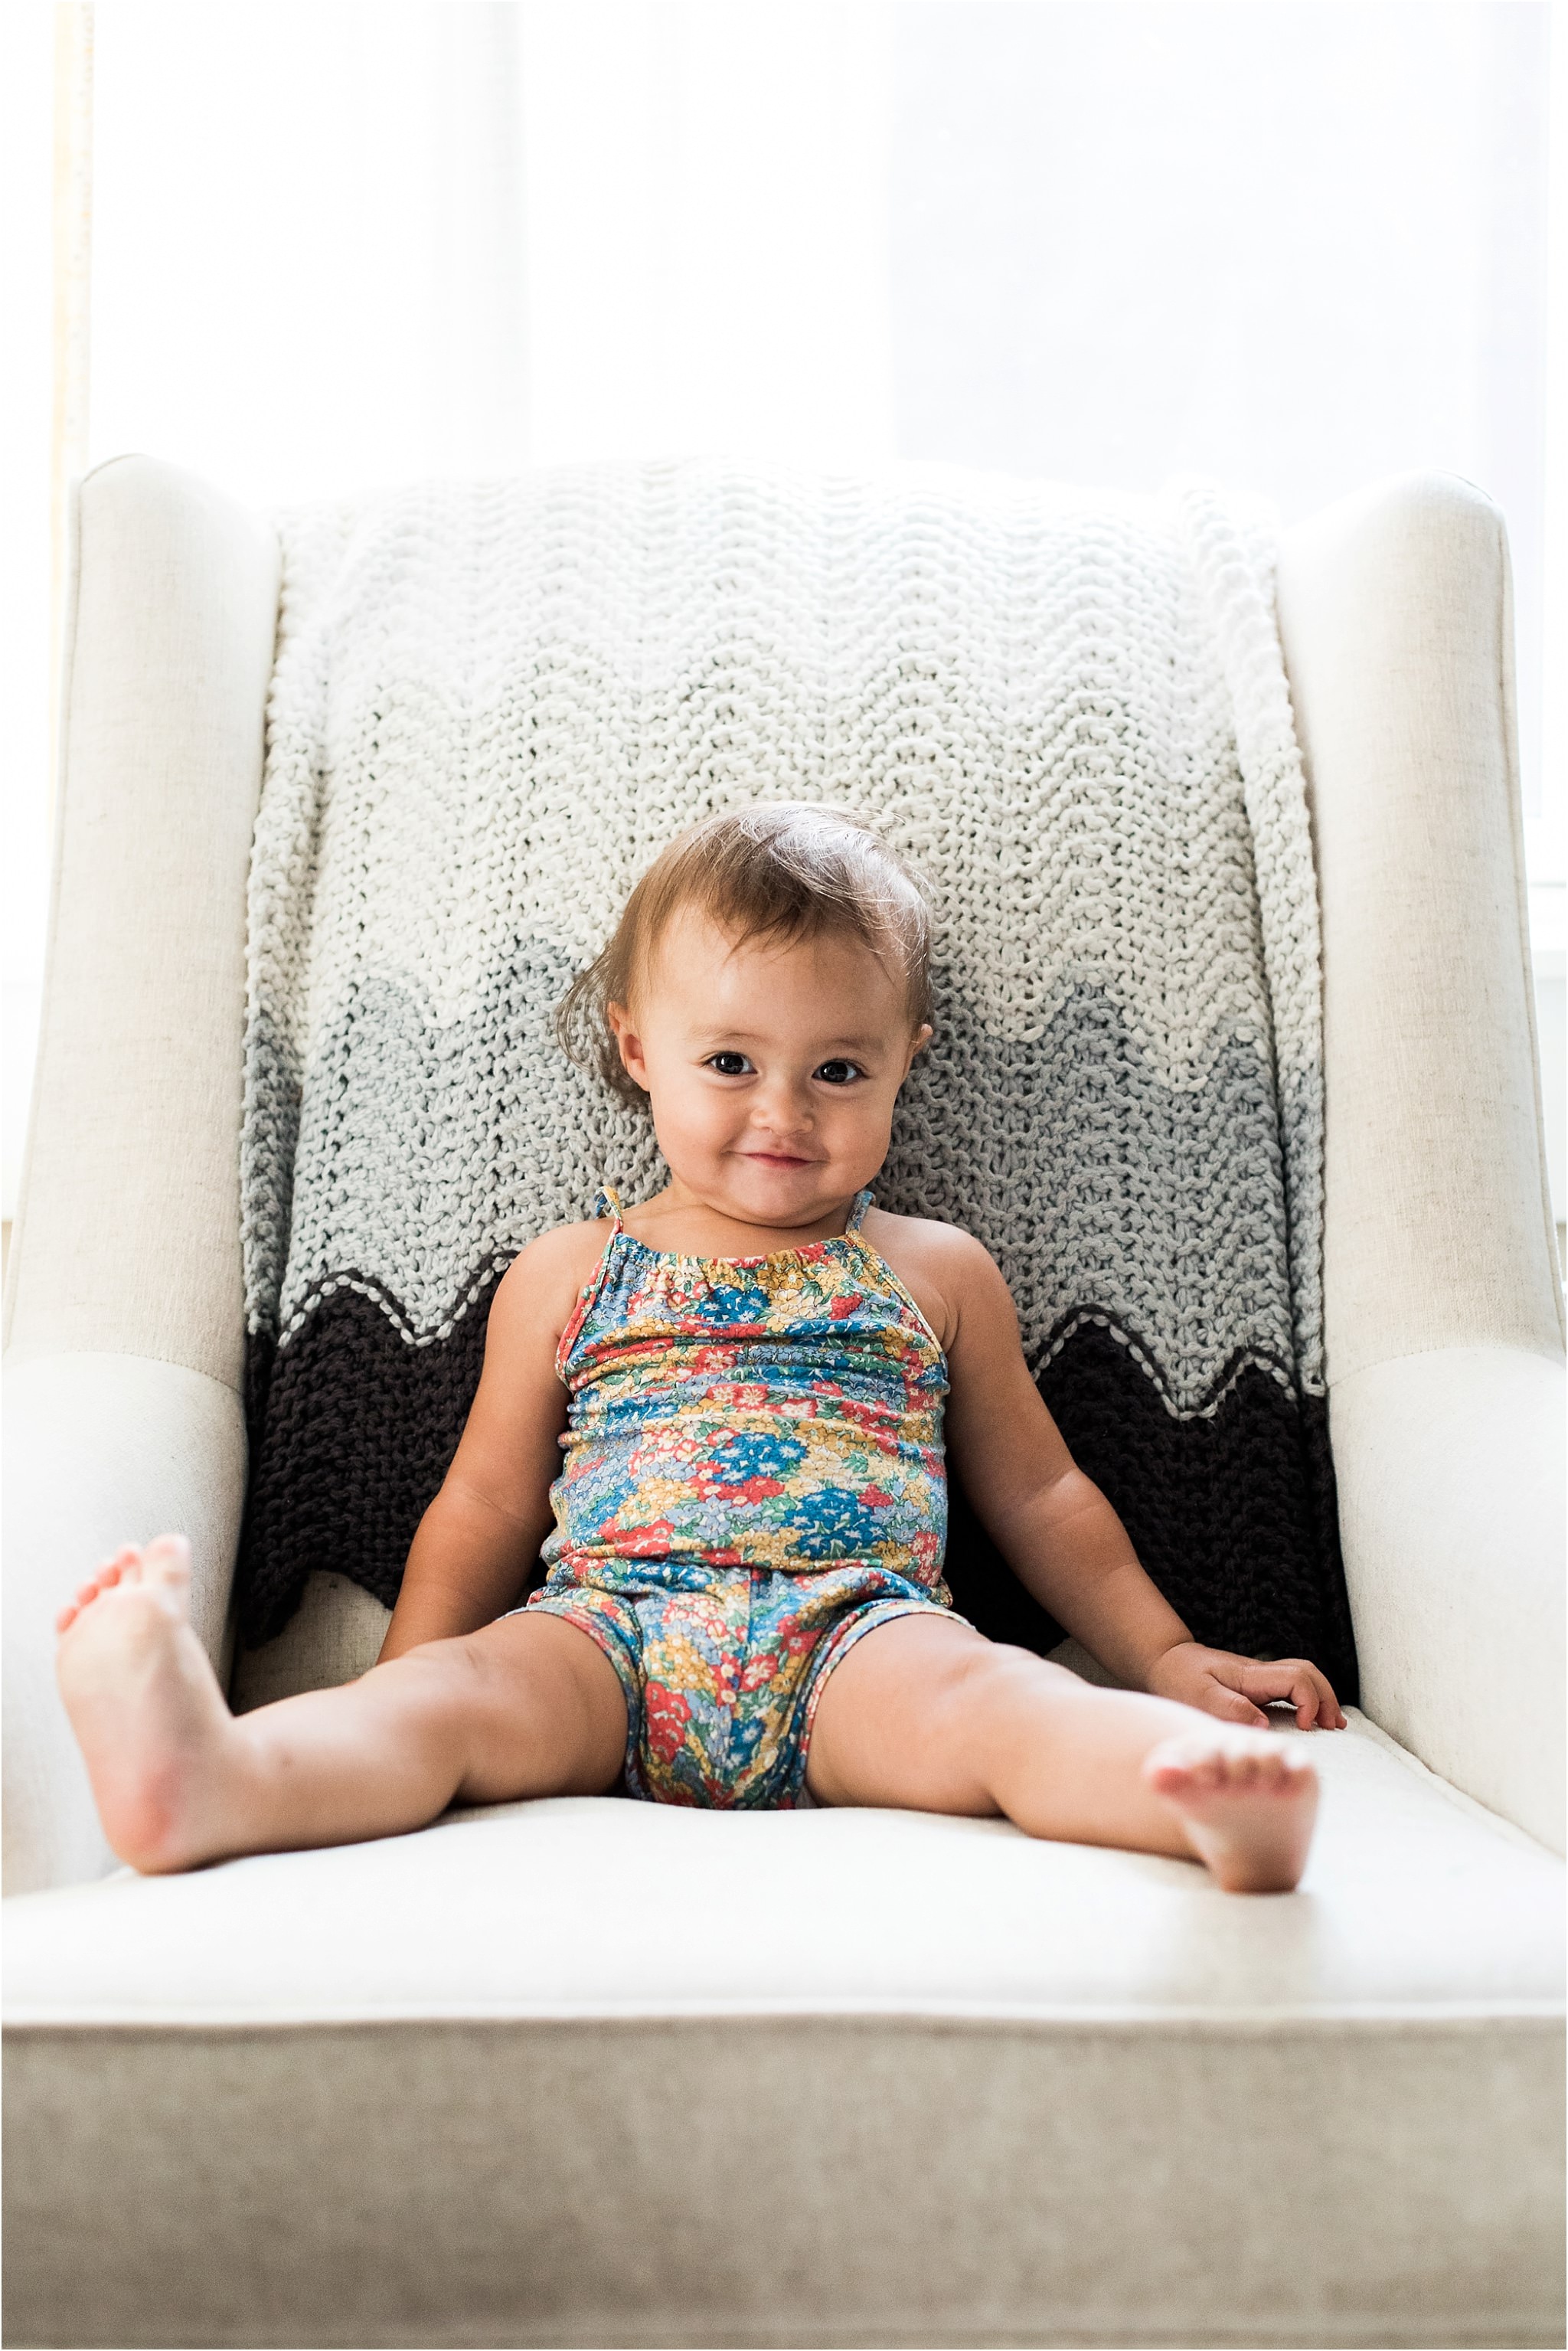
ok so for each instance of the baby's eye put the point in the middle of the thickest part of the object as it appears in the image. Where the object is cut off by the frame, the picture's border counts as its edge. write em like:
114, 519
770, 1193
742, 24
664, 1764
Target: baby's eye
838, 1073
728, 1065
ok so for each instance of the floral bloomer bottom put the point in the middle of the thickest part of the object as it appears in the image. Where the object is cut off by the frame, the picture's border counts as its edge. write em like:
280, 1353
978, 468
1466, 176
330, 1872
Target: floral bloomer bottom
722, 1673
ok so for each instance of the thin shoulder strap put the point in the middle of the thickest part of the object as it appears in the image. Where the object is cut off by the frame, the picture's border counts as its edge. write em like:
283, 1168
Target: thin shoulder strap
605, 1199
863, 1201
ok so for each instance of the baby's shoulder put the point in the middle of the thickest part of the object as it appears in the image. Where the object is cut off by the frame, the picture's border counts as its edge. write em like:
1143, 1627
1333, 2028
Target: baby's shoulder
565, 1244
941, 1266
927, 1237
542, 1282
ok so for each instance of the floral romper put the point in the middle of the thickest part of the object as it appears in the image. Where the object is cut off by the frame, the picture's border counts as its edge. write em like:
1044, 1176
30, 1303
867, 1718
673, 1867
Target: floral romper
753, 1478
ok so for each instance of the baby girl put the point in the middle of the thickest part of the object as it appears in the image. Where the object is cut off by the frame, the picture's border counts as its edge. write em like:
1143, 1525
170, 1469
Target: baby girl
757, 1380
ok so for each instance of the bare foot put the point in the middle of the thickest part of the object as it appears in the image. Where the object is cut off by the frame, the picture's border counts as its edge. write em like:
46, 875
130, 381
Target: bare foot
144, 1703
1246, 1801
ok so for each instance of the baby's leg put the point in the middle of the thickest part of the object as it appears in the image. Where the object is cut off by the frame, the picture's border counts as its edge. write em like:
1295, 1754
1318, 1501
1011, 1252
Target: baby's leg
924, 1713
529, 1706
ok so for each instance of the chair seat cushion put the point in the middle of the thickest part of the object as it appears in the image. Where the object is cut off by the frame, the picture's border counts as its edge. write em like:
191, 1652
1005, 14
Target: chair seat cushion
584, 1906
592, 2071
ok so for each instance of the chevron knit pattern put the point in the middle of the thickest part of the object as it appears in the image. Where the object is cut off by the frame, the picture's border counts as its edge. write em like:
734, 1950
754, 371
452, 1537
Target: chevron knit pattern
494, 704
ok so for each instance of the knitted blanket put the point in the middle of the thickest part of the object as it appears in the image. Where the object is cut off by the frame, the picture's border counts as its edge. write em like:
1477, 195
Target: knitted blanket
493, 703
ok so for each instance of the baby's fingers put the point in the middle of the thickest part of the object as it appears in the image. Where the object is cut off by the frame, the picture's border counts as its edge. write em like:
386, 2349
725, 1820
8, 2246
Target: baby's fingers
1307, 1690
1232, 1706
1312, 1697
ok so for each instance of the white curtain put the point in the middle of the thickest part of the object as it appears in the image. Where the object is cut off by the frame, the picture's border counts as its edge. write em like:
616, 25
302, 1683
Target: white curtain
458, 237
1298, 246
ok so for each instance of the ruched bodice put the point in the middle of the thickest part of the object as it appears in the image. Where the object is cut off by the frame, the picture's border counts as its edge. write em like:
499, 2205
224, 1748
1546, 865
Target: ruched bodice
780, 1412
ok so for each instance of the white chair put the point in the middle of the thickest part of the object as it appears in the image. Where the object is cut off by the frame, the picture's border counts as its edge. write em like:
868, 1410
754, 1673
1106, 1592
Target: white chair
591, 2072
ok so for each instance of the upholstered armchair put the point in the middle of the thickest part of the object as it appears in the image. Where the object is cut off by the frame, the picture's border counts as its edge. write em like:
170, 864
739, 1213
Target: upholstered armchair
587, 2072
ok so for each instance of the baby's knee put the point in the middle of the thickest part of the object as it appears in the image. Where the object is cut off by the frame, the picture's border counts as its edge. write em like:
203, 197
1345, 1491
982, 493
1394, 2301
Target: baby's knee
478, 1678
438, 1673
999, 1675
1006, 1661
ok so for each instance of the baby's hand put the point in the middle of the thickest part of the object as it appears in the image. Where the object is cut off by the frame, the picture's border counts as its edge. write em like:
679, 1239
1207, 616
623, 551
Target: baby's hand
1238, 1688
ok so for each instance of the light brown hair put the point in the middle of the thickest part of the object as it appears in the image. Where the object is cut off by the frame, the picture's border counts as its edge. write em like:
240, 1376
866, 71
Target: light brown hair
783, 871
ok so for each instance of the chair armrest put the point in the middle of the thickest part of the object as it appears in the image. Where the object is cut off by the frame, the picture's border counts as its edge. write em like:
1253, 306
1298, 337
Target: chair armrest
1442, 1313
100, 1450
1451, 1492
124, 1306
1396, 623
127, 1235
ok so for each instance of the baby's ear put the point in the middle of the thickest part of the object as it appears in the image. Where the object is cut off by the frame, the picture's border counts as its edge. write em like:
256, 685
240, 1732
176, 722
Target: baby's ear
628, 1043
920, 1039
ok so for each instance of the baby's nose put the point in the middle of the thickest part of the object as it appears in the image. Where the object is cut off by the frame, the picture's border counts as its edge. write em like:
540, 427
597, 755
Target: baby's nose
782, 1108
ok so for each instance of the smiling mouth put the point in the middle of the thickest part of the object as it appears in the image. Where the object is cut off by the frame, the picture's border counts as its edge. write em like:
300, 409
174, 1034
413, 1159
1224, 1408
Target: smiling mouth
778, 1159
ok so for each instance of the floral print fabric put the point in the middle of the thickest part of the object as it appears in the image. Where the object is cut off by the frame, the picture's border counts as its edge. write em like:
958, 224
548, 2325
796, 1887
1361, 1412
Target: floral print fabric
753, 1478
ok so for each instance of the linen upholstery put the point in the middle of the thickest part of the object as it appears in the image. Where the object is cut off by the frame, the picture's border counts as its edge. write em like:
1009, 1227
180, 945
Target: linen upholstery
418, 2093
98, 1448
334, 1636
1395, 614
1407, 1884
857, 2181
823, 2077
125, 1238
1458, 1578
124, 1273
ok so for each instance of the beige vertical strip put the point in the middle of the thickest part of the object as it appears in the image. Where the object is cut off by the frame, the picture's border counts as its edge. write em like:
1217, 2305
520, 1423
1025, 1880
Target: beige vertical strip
1554, 729
73, 303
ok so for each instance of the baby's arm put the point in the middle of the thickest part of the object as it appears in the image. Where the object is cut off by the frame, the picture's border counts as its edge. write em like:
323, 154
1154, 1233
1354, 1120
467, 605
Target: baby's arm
1061, 1535
481, 1535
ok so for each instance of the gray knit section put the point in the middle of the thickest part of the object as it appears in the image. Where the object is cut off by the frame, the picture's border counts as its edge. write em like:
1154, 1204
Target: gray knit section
494, 704
420, 1142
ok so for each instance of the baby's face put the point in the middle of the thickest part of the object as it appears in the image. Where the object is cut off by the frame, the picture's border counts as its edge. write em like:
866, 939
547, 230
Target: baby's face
773, 1070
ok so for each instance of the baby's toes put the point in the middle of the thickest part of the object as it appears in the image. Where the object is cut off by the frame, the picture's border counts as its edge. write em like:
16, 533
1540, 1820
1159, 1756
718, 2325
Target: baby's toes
109, 1572
167, 1560
1187, 1770
1277, 1774
85, 1594
1226, 1774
